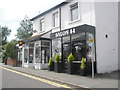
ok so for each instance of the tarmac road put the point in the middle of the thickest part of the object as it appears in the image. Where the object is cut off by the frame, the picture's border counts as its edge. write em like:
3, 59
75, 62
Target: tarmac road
14, 80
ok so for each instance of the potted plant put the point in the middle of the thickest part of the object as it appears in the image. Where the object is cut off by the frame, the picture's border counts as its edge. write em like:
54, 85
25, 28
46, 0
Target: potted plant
57, 64
82, 67
70, 67
51, 65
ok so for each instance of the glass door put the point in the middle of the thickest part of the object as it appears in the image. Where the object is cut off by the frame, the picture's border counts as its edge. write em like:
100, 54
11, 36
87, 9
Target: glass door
66, 45
45, 52
66, 51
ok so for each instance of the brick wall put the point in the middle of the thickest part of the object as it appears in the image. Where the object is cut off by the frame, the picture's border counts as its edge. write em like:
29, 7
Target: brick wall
11, 62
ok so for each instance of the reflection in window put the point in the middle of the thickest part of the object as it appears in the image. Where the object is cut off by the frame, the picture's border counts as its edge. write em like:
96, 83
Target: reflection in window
56, 47
26, 53
42, 51
66, 47
79, 46
37, 54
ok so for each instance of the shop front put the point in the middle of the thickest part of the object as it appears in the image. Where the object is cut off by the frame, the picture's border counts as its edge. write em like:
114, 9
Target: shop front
36, 51
80, 41
28, 55
42, 53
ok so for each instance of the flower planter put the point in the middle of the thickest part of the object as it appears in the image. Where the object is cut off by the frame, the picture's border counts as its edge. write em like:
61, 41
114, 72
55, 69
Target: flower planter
58, 67
51, 67
83, 72
70, 68
89, 68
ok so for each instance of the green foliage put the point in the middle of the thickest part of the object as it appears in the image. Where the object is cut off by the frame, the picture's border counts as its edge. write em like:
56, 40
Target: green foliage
10, 50
50, 62
70, 58
25, 30
4, 33
57, 58
82, 66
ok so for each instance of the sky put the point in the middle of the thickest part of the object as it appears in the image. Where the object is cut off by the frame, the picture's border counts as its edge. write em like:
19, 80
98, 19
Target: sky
13, 11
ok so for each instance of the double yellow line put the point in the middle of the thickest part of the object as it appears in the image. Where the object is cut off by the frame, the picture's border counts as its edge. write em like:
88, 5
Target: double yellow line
37, 78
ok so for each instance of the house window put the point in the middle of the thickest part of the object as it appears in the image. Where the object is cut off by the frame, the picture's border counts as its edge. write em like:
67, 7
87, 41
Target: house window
42, 25
55, 19
74, 11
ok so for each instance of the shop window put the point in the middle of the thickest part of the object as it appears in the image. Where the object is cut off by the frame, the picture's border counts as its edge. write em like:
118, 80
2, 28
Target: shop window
42, 51
31, 46
37, 54
56, 47
26, 53
79, 46
74, 11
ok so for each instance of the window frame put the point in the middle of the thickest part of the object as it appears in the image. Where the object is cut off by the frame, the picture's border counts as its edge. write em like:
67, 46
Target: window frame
42, 24
54, 19
72, 7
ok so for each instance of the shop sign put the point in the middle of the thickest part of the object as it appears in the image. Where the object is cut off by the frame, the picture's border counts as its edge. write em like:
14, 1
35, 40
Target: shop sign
65, 33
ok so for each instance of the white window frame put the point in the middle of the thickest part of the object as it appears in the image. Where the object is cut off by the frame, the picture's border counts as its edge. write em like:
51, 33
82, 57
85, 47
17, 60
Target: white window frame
79, 14
42, 27
54, 18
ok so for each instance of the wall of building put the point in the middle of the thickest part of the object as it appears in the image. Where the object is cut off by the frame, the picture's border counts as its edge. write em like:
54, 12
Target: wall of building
106, 24
119, 35
48, 20
86, 15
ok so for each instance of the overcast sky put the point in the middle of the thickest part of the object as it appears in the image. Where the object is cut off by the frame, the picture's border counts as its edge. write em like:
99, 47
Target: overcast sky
13, 11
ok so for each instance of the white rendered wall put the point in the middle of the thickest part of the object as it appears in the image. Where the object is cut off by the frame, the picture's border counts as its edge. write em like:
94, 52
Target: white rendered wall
119, 35
86, 14
106, 48
48, 20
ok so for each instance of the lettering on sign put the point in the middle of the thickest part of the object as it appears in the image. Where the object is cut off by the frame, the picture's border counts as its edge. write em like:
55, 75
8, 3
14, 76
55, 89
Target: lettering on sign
64, 33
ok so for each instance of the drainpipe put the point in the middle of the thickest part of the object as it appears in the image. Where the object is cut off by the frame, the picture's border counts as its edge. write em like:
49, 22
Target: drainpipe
60, 28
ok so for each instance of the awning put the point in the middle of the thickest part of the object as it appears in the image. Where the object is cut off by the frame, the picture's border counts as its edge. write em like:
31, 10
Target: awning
38, 37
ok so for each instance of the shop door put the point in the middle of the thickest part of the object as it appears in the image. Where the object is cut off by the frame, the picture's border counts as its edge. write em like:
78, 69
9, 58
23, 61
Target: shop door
66, 51
45, 55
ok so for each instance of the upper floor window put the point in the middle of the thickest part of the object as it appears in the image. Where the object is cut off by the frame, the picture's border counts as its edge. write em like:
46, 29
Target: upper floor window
74, 11
55, 19
42, 23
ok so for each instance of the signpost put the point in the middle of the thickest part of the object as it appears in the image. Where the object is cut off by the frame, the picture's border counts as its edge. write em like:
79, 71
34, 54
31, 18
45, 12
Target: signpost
91, 41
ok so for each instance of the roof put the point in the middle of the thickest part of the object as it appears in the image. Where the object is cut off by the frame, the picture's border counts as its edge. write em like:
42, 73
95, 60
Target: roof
38, 37
47, 11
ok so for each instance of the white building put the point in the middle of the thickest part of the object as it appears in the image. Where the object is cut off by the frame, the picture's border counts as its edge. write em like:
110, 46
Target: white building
69, 27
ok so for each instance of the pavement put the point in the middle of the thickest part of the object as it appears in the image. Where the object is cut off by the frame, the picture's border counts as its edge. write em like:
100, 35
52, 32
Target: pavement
107, 80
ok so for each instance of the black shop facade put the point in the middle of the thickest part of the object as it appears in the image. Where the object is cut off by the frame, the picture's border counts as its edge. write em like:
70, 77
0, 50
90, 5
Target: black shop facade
80, 41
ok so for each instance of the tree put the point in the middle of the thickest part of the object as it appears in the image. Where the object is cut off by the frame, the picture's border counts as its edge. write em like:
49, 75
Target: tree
4, 33
25, 30
10, 49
